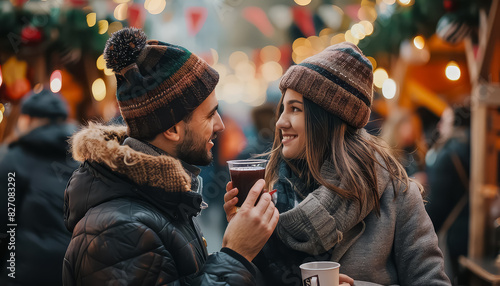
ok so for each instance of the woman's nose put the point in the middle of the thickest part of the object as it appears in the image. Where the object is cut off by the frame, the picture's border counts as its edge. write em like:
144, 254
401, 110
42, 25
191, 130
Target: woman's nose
283, 122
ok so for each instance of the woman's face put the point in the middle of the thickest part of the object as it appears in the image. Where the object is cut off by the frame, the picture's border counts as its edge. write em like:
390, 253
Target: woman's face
291, 125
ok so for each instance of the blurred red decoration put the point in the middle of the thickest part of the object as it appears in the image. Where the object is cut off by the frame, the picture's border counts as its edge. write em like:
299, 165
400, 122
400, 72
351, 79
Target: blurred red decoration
449, 5
352, 11
31, 35
258, 17
195, 17
135, 16
18, 89
18, 3
304, 20
79, 3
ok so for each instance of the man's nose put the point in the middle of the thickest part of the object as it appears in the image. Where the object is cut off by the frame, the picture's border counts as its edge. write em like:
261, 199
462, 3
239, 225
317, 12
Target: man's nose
219, 125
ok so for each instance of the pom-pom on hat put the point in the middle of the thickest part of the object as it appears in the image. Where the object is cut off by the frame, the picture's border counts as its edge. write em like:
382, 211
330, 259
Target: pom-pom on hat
158, 84
45, 104
339, 79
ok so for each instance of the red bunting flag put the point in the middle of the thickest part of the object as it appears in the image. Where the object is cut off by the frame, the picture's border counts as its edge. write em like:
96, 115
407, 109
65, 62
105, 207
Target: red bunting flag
196, 17
352, 11
258, 17
135, 16
304, 20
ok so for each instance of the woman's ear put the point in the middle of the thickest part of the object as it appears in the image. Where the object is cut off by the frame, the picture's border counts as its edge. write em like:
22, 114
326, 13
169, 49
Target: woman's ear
174, 132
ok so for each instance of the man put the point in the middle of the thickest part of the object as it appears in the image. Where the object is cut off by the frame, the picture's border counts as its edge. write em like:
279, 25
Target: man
131, 205
39, 166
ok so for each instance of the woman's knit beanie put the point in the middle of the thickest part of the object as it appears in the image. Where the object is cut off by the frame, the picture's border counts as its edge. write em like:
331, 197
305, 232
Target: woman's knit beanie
338, 79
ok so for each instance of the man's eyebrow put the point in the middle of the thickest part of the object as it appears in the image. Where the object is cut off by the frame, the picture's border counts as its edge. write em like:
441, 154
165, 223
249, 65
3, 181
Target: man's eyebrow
213, 111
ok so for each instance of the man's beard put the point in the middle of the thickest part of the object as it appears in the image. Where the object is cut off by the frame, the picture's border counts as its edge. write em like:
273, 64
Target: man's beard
193, 150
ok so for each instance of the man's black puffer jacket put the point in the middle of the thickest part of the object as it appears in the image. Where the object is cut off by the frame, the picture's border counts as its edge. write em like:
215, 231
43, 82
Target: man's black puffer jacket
130, 234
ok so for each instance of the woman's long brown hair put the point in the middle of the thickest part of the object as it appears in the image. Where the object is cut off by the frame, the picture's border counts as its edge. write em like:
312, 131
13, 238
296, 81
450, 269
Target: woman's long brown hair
353, 154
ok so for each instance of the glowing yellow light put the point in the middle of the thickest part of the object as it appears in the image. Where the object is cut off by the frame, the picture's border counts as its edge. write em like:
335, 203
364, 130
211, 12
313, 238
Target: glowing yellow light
316, 44
245, 71
215, 56
300, 42
1, 77
389, 2
38, 88
326, 32
2, 108
121, 11
389, 88
373, 61
367, 13
56, 81
155, 6
237, 57
221, 69
302, 2
303, 51
270, 53
358, 31
121, 1
103, 26
99, 89
350, 38
453, 71
379, 77
271, 71
101, 63
114, 27
91, 19
108, 72
1, 116
339, 38
368, 27
405, 2
419, 42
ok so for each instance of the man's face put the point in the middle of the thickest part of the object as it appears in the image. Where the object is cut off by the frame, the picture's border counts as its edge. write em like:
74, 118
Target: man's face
199, 132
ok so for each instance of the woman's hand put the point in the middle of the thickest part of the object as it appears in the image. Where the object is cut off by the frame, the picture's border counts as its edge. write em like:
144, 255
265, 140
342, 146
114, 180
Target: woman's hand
230, 201
345, 280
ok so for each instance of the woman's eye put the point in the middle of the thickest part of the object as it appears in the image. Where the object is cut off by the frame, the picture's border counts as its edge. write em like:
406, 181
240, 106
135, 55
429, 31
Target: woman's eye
296, 109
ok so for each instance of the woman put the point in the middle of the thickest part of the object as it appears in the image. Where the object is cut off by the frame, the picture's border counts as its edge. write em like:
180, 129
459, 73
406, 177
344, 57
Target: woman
341, 194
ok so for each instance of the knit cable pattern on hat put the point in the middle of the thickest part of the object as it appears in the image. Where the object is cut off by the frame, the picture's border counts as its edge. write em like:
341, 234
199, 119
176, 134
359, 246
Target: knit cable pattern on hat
339, 79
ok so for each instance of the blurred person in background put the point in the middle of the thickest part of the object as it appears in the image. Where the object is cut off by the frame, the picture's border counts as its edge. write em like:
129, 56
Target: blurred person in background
403, 132
133, 203
263, 118
40, 160
341, 194
448, 169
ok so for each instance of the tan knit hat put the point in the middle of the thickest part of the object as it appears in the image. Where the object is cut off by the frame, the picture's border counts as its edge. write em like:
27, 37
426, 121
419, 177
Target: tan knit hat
339, 79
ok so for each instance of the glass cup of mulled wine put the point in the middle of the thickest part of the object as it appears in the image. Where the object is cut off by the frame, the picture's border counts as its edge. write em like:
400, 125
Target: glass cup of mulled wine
244, 174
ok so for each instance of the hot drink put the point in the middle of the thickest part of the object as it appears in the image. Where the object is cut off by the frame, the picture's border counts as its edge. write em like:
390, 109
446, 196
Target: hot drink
244, 178
244, 174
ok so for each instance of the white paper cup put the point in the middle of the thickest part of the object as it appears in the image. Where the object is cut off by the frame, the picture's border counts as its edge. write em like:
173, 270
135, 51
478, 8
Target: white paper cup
320, 273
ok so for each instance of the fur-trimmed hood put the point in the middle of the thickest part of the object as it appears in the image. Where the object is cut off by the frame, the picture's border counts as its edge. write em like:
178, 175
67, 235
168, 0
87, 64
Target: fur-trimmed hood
102, 144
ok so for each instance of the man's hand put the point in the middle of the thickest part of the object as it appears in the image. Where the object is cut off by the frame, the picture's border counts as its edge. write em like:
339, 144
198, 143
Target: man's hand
230, 201
250, 228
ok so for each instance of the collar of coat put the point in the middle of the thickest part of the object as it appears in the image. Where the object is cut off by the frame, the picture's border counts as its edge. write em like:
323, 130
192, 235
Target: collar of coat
103, 144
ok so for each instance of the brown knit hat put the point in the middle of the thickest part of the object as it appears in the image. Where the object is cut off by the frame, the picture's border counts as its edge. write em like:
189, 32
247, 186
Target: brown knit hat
339, 79
158, 84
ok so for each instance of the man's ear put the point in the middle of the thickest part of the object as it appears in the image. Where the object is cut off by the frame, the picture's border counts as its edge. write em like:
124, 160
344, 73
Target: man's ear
175, 132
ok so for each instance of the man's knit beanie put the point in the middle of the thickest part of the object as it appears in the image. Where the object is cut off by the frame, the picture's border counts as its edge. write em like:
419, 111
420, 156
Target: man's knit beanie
338, 79
45, 104
158, 84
